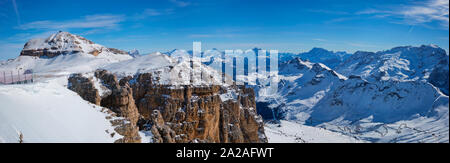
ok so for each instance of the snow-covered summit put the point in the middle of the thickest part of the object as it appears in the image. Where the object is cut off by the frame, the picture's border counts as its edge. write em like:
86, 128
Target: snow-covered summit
320, 55
134, 53
63, 43
62, 54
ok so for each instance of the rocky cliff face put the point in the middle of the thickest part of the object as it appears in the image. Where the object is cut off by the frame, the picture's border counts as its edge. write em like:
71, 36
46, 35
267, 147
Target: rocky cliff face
197, 114
182, 114
439, 76
119, 100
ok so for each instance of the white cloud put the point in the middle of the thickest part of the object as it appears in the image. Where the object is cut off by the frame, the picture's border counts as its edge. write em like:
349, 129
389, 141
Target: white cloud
180, 3
319, 40
89, 22
16, 10
417, 13
152, 12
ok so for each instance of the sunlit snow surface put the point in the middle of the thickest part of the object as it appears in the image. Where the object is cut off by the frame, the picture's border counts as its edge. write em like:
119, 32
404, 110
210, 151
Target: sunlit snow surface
373, 106
291, 132
49, 112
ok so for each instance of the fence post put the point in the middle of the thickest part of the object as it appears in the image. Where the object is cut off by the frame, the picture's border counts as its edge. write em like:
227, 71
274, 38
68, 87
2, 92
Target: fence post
18, 76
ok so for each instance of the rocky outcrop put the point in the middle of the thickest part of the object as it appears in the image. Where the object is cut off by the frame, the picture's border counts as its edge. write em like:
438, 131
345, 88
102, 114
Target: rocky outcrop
439, 77
196, 114
85, 88
122, 126
180, 114
120, 101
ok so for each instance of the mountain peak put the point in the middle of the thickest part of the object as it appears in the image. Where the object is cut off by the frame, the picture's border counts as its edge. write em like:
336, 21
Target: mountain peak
321, 55
62, 43
134, 53
319, 50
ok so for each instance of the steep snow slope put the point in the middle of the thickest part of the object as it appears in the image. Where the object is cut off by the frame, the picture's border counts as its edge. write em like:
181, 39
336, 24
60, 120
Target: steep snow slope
439, 77
49, 112
303, 84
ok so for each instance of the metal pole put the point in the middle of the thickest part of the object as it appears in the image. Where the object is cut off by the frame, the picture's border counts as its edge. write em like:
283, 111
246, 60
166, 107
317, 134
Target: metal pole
12, 78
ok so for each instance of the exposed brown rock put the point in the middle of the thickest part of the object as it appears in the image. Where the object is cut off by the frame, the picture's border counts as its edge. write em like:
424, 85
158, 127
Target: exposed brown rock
45, 53
95, 52
128, 130
123, 127
183, 114
197, 114
117, 51
120, 101
85, 88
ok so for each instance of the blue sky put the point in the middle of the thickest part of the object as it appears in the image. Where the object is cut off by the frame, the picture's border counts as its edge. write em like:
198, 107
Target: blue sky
284, 25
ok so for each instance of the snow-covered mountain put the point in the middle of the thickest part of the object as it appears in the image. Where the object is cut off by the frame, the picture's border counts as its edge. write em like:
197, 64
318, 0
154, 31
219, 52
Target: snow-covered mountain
318, 55
400, 63
395, 108
302, 84
134, 53
329, 58
62, 54
365, 107
63, 43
